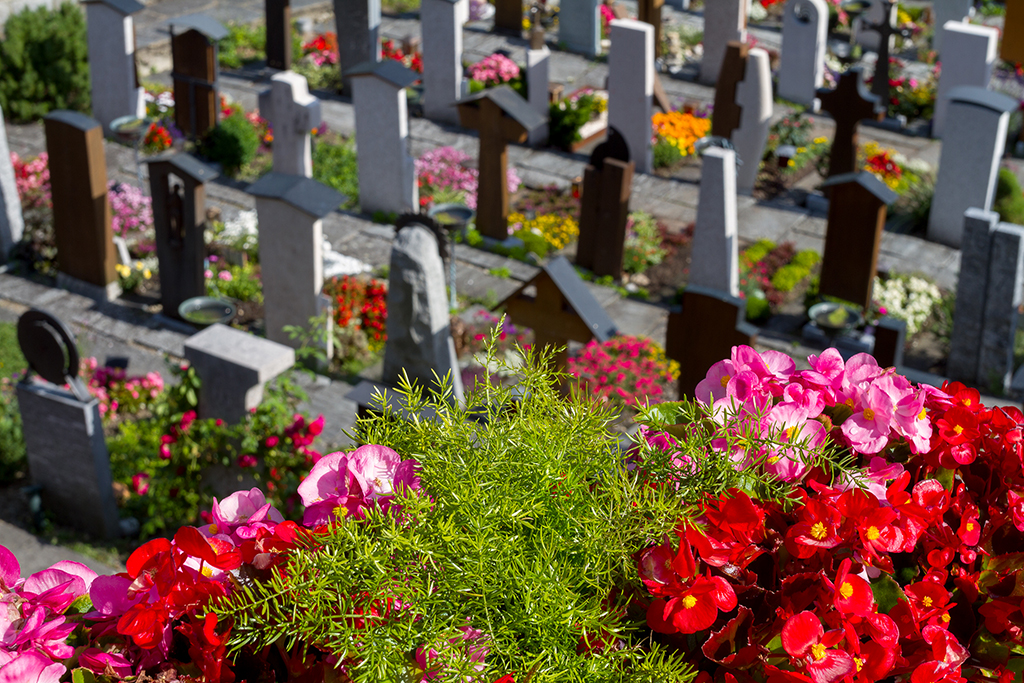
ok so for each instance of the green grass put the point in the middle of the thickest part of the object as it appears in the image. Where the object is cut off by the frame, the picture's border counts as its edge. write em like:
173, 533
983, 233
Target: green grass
11, 360
12, 444
334, 164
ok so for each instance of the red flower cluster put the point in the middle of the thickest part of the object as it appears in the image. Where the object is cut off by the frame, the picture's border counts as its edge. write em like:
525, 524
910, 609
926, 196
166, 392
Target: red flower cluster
413, 60
883, 164
624, 369
362, 302
157, 138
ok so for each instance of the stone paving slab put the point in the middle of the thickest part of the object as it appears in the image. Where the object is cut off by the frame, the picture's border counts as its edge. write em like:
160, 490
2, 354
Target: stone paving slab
35, 555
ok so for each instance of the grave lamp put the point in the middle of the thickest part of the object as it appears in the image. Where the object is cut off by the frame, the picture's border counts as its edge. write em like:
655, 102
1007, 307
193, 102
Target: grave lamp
451, 218
784, 153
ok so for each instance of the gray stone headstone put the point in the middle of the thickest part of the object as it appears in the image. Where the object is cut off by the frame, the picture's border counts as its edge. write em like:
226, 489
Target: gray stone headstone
68, 457
969, 57
754, 97
804, 38
715, 253
419, 334
358, 28
631, 87
944, 11
1002, 301
293, 113
443, 81
579, 26
969, 162
234, 367
111, 40
12, 225
724, 21
971, 288
538, 79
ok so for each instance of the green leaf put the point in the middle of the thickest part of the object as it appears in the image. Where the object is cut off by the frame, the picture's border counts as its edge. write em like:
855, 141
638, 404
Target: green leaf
988, 649
946, 478
887, 593
82, 676
81, 605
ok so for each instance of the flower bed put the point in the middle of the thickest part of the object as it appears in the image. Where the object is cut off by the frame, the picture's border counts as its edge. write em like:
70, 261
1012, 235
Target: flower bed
443, 178
625, 370
494, 70
578, 119
359, 304
675, 134
769, 272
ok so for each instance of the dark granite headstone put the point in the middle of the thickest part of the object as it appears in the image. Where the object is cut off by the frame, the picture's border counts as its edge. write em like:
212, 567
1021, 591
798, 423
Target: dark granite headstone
604, 207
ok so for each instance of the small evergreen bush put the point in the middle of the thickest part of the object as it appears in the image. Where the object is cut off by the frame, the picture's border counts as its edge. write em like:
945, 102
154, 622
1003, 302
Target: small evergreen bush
232, 144
44, 63
1009, 201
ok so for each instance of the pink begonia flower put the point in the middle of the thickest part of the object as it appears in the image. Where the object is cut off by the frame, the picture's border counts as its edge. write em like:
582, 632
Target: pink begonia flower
713, 386
241, 514
476, 651
807, 399
47, 636
225, 275
110, 598
10, 569
140, 482
868, 428
789, 423
29, 667
912, 423
876, 477
97, 661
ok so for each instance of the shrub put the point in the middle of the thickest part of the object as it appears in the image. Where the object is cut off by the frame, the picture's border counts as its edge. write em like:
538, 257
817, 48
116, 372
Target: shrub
643, 247
243, 44
1009, 201
44, 63
241, 283
334, 164
232, 144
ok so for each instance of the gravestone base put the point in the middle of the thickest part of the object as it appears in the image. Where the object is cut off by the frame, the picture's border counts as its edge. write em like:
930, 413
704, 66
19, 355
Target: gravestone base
848, 344
68, 458
489, 243
111, 291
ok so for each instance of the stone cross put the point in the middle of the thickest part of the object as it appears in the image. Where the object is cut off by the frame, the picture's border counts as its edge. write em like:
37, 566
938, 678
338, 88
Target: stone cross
754, 97
969, 162
604, 207
12, 225
177, 184
715, 250
849, 104
649, 12
358, 23
733, 71
1012, 46
81, 213
579, 26
290, 209
279, 34
443, 82
944, 11
804, 39
631, 87
500, 116
419, 337
387, 173
234, 367
112, 71
293, 113
194, 70
724, 21
538, 79
864, 33
969, 57
856, 217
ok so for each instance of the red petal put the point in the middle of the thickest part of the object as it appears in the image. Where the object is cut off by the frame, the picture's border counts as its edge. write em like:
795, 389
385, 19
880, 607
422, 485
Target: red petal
723, 594
656, 617
190, 541
833, 666
854, 596
800, 633
140, 559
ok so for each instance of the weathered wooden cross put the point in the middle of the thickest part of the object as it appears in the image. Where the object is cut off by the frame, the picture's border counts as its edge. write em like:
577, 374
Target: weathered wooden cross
194, 70
849, 104
885, 30
649, 11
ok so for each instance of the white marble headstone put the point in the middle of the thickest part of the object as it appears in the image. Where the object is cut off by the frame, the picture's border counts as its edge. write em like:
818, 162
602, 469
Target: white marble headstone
111, 40
443, 82
715, 253
968, 60
724, 20
293, 113
631, 87
804, 38
754, 96
12, 225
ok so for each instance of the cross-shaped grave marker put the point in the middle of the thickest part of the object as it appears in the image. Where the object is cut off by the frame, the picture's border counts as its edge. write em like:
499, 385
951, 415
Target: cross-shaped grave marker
500, 116
293, 113
727, 111
849, 104
885, 29
194, 69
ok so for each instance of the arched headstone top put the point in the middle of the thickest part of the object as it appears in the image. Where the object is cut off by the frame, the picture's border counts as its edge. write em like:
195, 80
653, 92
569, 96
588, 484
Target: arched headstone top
49, 347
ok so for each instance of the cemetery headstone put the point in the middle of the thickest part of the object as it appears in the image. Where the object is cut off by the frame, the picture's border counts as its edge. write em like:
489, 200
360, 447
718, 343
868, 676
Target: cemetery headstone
714, 263
387, 173
754, 97
538, 80
234, 367
290, 210
112, 71
804, 39
864, 26
724, 21
63, 431
944, 11
579, 26
969, 57
419, 336
971, 290
884, 28
649, 12
631, 87
604, 207
443, 82
500, 116
969, 161
1011, 49
194, 70
856, 217
849, 104
177, 184
12, 224
703, 332
279, 34
733, 71
890, 338
81, 212
560, 309
359, 22
293, 113
508, 16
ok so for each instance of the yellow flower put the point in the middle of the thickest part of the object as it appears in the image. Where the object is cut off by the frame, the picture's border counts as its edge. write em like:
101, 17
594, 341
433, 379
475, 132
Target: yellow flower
820, 140
138, 265
801, 150
147, 273
122, 270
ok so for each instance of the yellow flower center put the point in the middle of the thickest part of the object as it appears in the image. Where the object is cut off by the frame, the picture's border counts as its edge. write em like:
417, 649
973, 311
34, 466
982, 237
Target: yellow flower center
873, 533
958, 429
774, 459
945, 618
213, 528
789, 433
970, 526
689, 601
848, 403
967, 401
818, 651
846, 590
725, 381
207, 571
926, 601
869, 414
858, 662
923, 414
818, 531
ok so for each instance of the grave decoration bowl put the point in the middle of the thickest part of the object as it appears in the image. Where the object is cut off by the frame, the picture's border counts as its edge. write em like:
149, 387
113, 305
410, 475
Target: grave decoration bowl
203, 311
452, 217
835, 317
130, 129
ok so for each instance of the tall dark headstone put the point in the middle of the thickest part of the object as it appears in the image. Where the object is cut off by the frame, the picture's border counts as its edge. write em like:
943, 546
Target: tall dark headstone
194, 70
279, 34
885, 30
649, 11
604, 207
177, 183
849, 104
727, 111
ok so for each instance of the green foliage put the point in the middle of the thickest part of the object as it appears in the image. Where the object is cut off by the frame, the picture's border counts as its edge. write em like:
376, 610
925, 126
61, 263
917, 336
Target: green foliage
793, 273
502, 272
757, 251
807, 258
568, 115
44, 62
334, 164
244, 285
1009, 200
232, 144
665, 154
758, 308
244, 43
12, 444
11, 361
643, 247
531, 521
326, 77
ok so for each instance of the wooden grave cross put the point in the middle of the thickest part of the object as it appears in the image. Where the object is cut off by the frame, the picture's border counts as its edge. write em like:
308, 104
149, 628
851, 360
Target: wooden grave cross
279, 34
508, 16
849, 104
194, 70
649, 11
727, 111
500, 116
